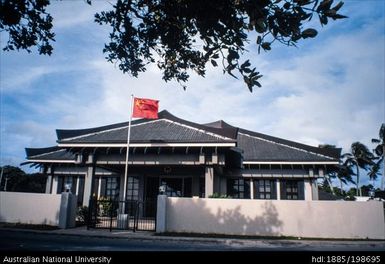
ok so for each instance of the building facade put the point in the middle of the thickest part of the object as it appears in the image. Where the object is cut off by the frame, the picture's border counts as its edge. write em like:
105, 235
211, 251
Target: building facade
186, 158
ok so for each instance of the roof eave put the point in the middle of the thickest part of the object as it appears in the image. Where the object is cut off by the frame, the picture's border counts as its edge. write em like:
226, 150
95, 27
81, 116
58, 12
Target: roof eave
149, 144
251, 162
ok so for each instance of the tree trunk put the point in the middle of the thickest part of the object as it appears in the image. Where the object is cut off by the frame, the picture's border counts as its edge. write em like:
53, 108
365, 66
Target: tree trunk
358, 191
330, 184
383, 169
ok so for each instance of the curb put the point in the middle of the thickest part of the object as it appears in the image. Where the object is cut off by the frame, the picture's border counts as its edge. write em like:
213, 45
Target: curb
129, 235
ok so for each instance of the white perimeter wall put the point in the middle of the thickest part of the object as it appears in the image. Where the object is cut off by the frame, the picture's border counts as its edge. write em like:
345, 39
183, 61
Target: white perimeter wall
317, 219
30, 208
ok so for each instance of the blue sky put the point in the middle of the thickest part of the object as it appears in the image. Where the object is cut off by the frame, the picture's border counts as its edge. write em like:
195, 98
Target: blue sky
327, 90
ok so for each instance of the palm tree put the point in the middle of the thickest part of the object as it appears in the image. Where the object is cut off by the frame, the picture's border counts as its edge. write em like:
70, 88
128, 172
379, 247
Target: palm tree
345, 173
374, 170
380, 152
331, 175
361, 158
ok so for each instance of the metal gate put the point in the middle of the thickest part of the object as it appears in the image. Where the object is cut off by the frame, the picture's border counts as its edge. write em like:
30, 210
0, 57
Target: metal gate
127, 215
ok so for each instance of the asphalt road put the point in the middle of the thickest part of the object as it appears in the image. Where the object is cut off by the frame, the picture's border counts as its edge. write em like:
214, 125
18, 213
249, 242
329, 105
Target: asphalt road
11, 240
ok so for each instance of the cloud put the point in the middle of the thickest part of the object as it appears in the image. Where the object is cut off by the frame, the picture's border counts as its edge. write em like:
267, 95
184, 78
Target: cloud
330, 90
71, 14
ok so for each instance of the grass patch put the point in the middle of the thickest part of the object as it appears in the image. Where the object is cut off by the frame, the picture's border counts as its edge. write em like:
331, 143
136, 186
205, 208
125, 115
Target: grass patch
28, 226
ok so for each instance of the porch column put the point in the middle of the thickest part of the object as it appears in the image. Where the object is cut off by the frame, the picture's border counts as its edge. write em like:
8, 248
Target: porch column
99, 186
251, 189
77, 185
55, 184
48, 185
209, 181
308, 189
88, 180
278, 188
314, 188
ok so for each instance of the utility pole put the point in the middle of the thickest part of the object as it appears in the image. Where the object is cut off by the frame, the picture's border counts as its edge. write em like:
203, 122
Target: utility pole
5, 185
1, 175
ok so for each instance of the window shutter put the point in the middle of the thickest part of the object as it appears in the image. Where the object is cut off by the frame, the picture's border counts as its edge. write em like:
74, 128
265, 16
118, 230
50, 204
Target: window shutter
273, 186
283, 189
301, 191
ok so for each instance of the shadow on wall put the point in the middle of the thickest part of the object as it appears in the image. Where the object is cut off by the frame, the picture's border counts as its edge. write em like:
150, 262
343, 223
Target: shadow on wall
223, 216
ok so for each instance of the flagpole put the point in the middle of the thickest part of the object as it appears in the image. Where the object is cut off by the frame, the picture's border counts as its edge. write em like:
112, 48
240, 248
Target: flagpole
127, 155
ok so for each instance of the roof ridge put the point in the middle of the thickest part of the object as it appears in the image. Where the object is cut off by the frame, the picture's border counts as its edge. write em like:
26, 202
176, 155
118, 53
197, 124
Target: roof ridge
201, 130
151, 121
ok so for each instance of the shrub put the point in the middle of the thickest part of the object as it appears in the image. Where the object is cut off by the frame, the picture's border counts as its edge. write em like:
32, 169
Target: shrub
218, 195
82, 215
105, 206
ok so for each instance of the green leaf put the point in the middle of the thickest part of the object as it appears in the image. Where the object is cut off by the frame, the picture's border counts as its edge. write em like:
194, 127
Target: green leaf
324, 5
266, 46
338, 6
214, 63
330, 13
257, 83
309, 33
338, 16
323, 19
246, 64
260, 26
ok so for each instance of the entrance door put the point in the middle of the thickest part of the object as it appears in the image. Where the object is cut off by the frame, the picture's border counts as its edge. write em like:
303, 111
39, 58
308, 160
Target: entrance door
151, 188
150, 197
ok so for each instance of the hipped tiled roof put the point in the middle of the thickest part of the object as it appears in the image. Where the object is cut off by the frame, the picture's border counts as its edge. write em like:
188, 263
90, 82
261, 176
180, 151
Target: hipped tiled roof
167, 128
170, 129
50, 153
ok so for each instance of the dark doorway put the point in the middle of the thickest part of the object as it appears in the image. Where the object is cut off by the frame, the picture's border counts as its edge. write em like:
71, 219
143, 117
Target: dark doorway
151, 188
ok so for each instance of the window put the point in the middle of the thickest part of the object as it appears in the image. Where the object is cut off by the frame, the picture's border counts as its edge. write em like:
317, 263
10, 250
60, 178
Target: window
112, 188
265, 189
63, 181
238, 188
133, 188
292, 190
109, 188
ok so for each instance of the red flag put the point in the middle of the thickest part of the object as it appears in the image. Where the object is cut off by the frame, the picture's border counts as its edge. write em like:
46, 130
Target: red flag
145, 108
